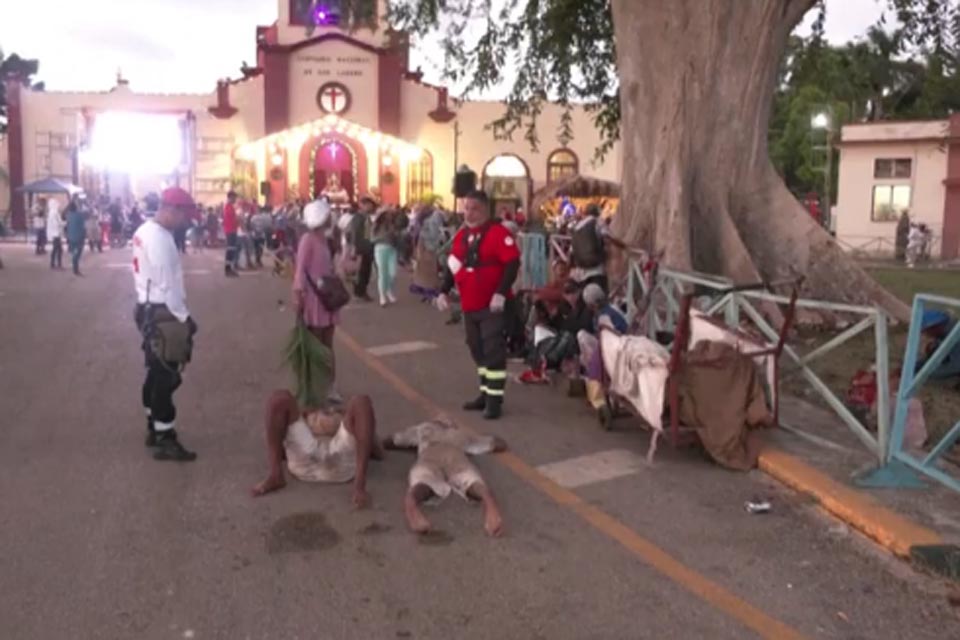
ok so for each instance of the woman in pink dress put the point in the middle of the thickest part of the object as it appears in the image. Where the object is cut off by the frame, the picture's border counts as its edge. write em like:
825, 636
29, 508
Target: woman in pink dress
315, 259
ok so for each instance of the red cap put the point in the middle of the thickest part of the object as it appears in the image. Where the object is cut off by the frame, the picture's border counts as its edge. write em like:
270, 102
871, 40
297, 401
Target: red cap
177, 197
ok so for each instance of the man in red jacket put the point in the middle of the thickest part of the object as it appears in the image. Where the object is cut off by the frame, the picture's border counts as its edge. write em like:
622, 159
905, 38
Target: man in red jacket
231, 226
484, 263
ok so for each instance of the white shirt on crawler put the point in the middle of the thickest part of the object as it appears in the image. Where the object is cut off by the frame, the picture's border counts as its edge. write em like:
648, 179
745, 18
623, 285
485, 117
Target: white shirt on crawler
157, 271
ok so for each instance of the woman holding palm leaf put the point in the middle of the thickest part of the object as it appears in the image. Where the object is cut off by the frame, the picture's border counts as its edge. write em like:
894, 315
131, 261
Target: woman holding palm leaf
313, 364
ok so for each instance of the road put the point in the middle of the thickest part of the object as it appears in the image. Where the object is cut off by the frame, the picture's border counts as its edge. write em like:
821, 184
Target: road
99, 541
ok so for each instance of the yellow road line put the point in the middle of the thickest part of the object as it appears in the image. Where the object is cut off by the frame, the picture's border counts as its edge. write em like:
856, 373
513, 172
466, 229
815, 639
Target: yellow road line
698, 584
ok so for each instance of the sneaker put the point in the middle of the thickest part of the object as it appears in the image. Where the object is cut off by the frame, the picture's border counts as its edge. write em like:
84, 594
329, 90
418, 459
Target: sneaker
152, 440
478, 404
169, 448
383, 301
534, 376
392, 299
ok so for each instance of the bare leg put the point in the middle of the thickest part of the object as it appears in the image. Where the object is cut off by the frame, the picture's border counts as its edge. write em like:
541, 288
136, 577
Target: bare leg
417, 495
360, 421
282, 411
492, 520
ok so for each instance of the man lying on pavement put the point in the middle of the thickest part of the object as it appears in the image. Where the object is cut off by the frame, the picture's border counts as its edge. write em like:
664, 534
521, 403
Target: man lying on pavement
442, 466
320, 446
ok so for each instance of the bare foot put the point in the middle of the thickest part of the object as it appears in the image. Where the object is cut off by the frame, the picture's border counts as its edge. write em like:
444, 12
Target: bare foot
493, 523
417, 522
271, 484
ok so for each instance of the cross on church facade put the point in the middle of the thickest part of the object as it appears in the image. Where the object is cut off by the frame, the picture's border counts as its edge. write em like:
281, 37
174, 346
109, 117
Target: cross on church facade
334, 98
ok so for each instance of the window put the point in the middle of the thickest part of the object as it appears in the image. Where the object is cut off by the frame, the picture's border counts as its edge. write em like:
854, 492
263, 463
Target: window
420, 178
892, 168
889, 201
562, 164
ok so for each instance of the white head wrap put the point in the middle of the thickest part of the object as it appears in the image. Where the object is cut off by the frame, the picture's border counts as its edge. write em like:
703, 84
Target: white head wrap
316, 214
593, 294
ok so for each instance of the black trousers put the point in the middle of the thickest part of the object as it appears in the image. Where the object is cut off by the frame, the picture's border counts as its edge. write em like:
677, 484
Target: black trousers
56, 253
364, 273
41, 241
233, 251
486, 338
162, 380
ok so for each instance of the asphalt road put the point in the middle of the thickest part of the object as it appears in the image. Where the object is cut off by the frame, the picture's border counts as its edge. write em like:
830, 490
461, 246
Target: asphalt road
99, 541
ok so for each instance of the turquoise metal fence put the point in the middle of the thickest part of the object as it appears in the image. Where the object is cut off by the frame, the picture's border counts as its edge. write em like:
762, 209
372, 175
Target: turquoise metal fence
901, 467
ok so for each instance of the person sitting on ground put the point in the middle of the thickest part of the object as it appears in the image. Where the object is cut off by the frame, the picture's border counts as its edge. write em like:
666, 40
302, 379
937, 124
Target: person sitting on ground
605, 315
555, 334
442, 467
936, 326
320, 446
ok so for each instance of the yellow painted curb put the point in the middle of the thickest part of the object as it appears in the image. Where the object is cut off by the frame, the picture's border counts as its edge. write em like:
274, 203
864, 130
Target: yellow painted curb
857, 509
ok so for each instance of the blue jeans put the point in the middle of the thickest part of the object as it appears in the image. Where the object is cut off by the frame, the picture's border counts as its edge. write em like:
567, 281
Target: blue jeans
385, 256
76, 250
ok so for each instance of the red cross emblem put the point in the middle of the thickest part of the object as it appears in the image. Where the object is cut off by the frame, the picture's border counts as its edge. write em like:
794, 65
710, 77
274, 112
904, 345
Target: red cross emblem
334, 98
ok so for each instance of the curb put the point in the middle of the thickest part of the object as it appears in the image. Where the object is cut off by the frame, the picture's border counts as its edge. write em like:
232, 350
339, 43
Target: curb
891, 530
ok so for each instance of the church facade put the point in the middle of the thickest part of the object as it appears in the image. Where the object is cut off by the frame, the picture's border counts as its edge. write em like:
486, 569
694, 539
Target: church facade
324, 110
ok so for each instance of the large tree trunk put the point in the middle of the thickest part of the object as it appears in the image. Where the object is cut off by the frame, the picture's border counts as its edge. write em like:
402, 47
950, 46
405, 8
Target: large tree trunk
696, 82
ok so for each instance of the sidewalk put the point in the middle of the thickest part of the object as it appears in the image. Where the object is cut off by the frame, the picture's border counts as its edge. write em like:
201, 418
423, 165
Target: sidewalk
901, 520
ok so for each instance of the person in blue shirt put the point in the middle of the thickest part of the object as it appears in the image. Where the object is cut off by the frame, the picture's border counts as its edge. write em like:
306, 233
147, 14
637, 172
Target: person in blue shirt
76, 234
936, 326
596, 300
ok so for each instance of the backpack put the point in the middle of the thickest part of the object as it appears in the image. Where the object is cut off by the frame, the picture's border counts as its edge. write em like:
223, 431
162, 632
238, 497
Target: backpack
587, 246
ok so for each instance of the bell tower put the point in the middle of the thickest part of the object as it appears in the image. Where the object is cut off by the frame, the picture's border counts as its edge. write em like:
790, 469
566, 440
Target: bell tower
299, 20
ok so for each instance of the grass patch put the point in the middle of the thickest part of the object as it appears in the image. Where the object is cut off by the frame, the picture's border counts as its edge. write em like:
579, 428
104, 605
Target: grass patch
941, 401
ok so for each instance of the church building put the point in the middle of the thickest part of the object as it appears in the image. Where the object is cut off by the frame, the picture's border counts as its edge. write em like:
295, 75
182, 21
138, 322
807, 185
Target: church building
325, 110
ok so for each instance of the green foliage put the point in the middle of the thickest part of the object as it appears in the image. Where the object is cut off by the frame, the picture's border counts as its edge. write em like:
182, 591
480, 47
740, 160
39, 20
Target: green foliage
312, 365
564, 51
886, 74
16, 67
557, 50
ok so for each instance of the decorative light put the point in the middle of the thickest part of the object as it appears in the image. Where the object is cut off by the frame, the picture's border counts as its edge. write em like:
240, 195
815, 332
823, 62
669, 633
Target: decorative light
820, 121
277, 159
387, 161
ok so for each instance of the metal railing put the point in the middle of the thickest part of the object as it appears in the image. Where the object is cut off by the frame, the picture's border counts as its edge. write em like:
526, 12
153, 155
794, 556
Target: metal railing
654, 304
899, 467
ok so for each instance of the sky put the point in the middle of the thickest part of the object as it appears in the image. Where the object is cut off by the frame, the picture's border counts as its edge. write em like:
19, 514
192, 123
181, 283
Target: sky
176, 46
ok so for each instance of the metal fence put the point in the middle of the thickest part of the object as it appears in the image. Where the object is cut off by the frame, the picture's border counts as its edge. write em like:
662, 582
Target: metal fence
899, 468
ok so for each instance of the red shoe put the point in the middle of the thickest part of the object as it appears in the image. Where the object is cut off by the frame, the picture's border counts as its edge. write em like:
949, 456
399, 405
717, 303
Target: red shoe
534, 376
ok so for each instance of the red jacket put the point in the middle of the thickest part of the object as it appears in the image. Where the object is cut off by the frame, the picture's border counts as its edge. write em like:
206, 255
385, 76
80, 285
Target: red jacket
478, 276
230, 224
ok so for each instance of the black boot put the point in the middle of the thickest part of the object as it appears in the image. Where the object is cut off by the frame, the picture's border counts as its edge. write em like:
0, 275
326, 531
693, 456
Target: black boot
479, 404
151, 434
169, 448
494, 408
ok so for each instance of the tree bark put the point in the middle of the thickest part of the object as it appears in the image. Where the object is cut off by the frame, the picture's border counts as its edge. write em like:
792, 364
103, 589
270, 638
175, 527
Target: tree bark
697, 79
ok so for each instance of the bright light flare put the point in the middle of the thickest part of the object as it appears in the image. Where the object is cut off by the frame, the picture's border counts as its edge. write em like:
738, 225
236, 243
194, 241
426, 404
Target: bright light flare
140, 143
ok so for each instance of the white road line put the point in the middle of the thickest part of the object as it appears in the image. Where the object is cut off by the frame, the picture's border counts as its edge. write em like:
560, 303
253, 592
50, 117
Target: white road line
401, 347
593, 468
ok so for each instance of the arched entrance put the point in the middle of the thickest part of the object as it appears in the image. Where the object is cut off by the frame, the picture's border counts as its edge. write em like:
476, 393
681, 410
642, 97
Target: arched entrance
331, 159
506, 179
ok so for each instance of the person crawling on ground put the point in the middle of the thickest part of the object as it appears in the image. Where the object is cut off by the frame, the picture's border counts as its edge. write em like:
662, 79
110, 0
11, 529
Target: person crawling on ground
442, 467
319, 445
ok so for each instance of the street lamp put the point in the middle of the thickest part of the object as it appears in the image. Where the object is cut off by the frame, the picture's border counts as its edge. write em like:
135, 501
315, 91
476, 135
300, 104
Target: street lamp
823, 121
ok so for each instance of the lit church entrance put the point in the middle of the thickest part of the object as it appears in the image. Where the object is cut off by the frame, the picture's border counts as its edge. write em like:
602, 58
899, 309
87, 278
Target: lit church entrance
335, 169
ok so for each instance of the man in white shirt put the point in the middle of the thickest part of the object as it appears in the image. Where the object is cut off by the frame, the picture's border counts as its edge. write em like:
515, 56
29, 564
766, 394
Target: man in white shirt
55, 233
162, 301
